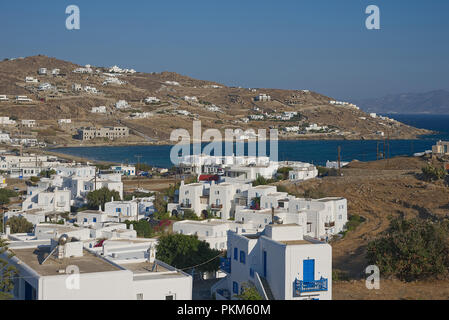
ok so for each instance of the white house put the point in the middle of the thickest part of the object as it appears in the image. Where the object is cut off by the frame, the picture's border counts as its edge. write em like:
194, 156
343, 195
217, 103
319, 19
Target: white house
3, 98
4, 137
90, 89
31, 80
77, 87
6, 121
119, 270
64, 121
100, 109
334, 164
122, 104
42, 71
123, 210
44, 87
262, 97
47, 200
23, 99
302, 172
152, 100
28, 123
212, 231
124, 170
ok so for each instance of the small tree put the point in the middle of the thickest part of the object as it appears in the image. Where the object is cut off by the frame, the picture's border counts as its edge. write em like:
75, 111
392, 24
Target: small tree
7, 273
431, 173
100, 197
284, 172
189, 215
19, 225
143, 228
47, 173
184, 251
35, 179
249, 292
5, 195
412, 250
160, 205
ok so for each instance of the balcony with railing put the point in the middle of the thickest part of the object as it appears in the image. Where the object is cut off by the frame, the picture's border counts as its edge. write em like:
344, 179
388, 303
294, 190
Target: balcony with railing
185, 205
329, 224
225, 264
216, 206
300, 286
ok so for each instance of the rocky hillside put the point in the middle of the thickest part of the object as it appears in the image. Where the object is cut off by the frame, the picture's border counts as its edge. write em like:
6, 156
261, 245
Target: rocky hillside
216, 105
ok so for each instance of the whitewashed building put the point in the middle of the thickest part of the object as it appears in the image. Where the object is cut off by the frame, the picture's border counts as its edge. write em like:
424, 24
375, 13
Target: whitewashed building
119, 270
279, 262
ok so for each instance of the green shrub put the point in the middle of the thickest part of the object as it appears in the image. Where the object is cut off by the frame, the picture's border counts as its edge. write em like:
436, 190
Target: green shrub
411, 250
431, 173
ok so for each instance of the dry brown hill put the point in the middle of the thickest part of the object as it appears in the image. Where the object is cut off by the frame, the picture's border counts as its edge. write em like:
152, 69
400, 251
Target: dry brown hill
233, 105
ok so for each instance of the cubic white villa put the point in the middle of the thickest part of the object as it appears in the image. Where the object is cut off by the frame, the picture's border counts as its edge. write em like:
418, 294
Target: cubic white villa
280, 262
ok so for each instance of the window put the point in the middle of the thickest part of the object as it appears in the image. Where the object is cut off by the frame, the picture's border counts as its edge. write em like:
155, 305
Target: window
236, 253
170, 297
95, 219
140, 296
85, 219
242, 257
235, 287
118, 210
207, 233
251, 272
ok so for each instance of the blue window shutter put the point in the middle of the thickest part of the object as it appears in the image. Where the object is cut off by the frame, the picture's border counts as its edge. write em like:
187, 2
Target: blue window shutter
236, 253
235, 287
242, 257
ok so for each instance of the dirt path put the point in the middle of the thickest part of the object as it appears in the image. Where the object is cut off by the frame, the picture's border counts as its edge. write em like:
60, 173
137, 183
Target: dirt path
377, 191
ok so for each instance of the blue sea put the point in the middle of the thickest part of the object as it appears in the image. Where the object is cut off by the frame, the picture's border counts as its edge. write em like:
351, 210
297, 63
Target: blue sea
312, 151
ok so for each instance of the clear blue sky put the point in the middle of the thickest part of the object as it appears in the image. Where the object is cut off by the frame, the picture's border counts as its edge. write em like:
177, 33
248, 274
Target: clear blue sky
320, 45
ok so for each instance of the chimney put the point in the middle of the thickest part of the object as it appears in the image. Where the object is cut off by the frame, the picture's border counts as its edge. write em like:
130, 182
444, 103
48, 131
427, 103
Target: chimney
151, 254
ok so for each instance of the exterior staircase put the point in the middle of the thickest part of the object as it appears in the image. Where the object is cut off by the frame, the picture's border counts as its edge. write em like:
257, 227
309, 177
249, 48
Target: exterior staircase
267, 288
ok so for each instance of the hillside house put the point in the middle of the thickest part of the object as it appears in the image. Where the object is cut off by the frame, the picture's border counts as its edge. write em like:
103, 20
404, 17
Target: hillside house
441, 148
28, 123
100, 109
122, 104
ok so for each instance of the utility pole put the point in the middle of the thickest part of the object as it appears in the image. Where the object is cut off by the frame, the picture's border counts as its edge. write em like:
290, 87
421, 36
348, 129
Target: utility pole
339, 161
138, 168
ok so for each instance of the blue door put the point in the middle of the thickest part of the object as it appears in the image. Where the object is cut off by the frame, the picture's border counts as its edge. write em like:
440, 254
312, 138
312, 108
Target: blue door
308, 270
264, 264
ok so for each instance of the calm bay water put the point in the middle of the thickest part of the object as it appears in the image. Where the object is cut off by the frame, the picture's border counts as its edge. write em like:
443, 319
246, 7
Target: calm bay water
317, 152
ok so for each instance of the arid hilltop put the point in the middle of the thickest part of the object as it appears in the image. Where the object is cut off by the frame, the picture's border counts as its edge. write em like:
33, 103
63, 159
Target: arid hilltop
298, 114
